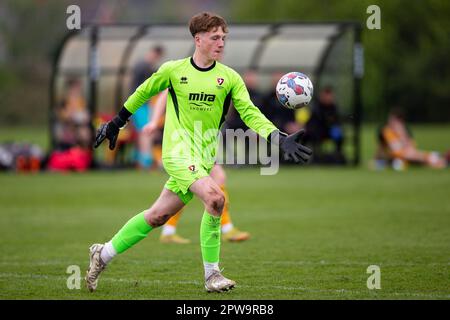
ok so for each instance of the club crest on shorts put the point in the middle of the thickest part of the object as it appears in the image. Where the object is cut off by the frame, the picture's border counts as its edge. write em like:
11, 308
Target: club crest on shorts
192, 168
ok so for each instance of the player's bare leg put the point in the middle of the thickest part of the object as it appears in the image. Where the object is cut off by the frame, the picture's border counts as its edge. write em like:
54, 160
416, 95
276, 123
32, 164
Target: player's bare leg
167, 205
131, 233
229, 231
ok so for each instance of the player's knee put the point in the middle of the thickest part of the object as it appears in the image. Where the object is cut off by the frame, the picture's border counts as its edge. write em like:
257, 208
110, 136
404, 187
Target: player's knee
157, 219
216, 203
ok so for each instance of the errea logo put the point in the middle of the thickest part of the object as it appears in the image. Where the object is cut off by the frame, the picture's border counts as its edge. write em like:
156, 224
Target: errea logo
183, 80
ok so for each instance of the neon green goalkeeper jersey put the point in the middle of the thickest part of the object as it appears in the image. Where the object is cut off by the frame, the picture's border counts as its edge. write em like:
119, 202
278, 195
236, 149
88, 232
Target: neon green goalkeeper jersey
197, 104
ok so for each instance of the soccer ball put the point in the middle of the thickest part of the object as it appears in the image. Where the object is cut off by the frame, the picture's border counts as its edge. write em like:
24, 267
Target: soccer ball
294, 90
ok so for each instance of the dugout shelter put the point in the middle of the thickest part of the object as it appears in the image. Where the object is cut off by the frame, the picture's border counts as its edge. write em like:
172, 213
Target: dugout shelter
102, 57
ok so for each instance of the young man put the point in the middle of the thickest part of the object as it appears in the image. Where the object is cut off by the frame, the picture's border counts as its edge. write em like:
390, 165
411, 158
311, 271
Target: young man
200, 90
168, 232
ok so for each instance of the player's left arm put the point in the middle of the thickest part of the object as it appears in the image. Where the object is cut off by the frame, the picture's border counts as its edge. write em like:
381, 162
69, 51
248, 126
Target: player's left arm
290, 145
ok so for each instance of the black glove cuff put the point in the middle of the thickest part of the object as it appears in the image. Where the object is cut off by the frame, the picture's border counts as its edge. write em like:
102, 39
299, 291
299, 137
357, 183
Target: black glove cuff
120, 120
124, 114
277, 137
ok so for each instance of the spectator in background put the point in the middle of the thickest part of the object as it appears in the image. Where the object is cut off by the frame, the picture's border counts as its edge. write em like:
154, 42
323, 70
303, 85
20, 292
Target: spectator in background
141, 72
396, 145
325, 125
280, 116
72, 127
73, 131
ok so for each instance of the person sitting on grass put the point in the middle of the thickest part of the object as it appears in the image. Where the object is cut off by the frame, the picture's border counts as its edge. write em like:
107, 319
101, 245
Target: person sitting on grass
397, 145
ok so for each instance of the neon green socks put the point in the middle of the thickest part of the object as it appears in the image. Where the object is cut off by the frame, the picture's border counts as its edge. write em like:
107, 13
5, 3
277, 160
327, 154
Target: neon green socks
137, 229
210, 238
131, 233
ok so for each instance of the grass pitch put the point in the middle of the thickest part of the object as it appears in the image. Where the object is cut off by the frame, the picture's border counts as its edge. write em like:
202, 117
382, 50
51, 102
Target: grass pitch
314, 233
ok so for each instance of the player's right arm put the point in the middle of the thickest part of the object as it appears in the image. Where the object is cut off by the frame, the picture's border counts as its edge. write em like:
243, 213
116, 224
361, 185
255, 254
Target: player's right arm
158, 82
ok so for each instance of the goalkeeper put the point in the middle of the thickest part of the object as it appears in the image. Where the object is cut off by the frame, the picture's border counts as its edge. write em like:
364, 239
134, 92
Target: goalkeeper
200, 91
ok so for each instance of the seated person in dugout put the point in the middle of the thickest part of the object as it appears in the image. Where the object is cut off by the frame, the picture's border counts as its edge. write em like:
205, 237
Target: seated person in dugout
324, 125
396, 145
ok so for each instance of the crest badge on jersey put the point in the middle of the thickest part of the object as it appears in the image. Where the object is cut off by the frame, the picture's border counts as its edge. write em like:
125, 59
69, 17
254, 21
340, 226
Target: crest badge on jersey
192, 169
220, 81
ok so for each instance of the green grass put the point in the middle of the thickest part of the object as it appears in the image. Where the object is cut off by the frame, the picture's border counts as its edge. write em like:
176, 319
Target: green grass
314, 233
26, 134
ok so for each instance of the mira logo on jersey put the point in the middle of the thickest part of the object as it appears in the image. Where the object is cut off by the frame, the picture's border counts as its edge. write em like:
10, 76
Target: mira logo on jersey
201, 101
204, 97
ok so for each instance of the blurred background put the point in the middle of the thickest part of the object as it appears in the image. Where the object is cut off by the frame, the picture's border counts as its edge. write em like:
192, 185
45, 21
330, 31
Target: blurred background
404, 64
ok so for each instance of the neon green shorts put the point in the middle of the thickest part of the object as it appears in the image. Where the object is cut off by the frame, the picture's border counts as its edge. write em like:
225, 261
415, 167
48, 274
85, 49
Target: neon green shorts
182, 175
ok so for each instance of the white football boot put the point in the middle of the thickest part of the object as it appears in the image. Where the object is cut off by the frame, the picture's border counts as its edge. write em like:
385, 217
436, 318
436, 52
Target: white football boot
216, 282
96, 266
